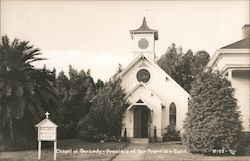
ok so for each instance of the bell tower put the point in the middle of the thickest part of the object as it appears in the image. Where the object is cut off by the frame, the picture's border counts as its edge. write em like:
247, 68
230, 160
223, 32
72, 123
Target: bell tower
144, 40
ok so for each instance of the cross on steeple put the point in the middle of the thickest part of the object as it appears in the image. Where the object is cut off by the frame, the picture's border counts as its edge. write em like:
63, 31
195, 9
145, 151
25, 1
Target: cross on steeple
47, 114
144, 10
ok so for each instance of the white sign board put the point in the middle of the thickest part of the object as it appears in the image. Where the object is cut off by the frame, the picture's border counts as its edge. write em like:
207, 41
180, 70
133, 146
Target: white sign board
47, 134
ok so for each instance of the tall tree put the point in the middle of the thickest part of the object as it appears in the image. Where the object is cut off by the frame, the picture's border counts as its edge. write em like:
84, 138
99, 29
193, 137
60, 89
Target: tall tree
99, 84
82, 89
183, 67
22, 87
199, 61
75, 94
212, 120
168, 61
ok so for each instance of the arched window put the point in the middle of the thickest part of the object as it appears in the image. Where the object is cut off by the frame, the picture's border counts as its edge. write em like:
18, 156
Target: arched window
172, 115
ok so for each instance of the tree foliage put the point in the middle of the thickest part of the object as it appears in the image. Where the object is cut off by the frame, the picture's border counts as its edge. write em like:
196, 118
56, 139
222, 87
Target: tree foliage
25, 92
212, 120
105, 116
75, 94
183, 67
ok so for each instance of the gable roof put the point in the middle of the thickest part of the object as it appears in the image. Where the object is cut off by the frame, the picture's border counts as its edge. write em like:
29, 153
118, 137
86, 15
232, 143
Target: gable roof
241, 44
46, 123
143, 103
144, 29
143, 85
142, 56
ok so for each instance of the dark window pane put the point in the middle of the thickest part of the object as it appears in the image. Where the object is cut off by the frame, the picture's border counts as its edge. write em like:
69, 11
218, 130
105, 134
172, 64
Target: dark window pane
143, 75
172, 115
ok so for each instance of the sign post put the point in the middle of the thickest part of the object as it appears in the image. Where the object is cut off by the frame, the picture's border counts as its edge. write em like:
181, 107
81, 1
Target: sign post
39, 150
46, 132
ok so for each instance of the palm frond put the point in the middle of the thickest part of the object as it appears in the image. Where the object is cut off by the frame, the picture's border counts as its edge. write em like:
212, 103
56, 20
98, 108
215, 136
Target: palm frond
22, 87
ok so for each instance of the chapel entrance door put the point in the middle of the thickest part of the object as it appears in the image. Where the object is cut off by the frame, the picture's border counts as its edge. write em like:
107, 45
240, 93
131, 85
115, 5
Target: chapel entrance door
141, 114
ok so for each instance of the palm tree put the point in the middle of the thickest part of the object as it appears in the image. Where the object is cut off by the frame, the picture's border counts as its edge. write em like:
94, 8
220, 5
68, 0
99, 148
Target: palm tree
22, 87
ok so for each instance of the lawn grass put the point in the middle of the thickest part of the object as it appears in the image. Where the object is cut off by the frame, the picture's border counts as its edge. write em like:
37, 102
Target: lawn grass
181, 153
71, 145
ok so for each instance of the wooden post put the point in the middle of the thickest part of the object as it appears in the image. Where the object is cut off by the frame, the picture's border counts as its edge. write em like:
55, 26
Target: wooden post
39, 149
54, 150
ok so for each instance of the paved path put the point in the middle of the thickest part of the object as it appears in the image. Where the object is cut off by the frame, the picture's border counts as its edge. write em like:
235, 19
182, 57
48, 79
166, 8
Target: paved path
133, 152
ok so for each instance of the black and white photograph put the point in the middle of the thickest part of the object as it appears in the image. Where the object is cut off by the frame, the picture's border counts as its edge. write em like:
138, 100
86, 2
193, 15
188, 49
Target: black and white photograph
125, 80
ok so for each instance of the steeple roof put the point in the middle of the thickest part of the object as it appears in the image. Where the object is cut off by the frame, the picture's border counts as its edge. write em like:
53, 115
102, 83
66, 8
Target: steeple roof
144, 29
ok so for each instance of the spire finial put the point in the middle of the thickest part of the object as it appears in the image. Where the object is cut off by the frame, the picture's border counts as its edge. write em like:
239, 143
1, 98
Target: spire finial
144, 10
47, 114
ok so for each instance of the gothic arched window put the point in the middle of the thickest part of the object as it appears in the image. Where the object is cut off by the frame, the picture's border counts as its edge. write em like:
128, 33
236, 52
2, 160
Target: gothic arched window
172, 114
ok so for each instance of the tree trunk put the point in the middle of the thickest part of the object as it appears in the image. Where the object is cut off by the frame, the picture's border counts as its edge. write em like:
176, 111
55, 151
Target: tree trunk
11, 131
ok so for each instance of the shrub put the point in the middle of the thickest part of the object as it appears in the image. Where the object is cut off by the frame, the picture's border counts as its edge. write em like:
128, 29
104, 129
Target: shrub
104, 120
86, 131
89, 133
244, 143
21, 143
172, 134
212, 120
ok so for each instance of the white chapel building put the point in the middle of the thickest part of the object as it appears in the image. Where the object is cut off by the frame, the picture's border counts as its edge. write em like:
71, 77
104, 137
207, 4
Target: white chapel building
156, 100
233, 61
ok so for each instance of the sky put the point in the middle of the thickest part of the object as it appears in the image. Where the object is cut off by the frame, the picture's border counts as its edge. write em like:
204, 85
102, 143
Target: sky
95, 34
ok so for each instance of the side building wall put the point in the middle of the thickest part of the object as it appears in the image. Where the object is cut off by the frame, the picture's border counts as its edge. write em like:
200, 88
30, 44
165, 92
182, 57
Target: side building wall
241, 84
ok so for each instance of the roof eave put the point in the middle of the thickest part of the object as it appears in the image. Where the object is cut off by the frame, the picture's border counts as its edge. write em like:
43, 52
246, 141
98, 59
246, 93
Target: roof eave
238, 44
155, 32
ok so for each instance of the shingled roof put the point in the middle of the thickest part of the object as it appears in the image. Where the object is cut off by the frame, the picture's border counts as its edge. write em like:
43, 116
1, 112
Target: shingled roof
242, 44
144, 29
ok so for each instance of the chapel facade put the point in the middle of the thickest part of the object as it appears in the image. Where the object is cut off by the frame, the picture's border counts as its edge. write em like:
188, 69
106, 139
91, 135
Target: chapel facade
156, 100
